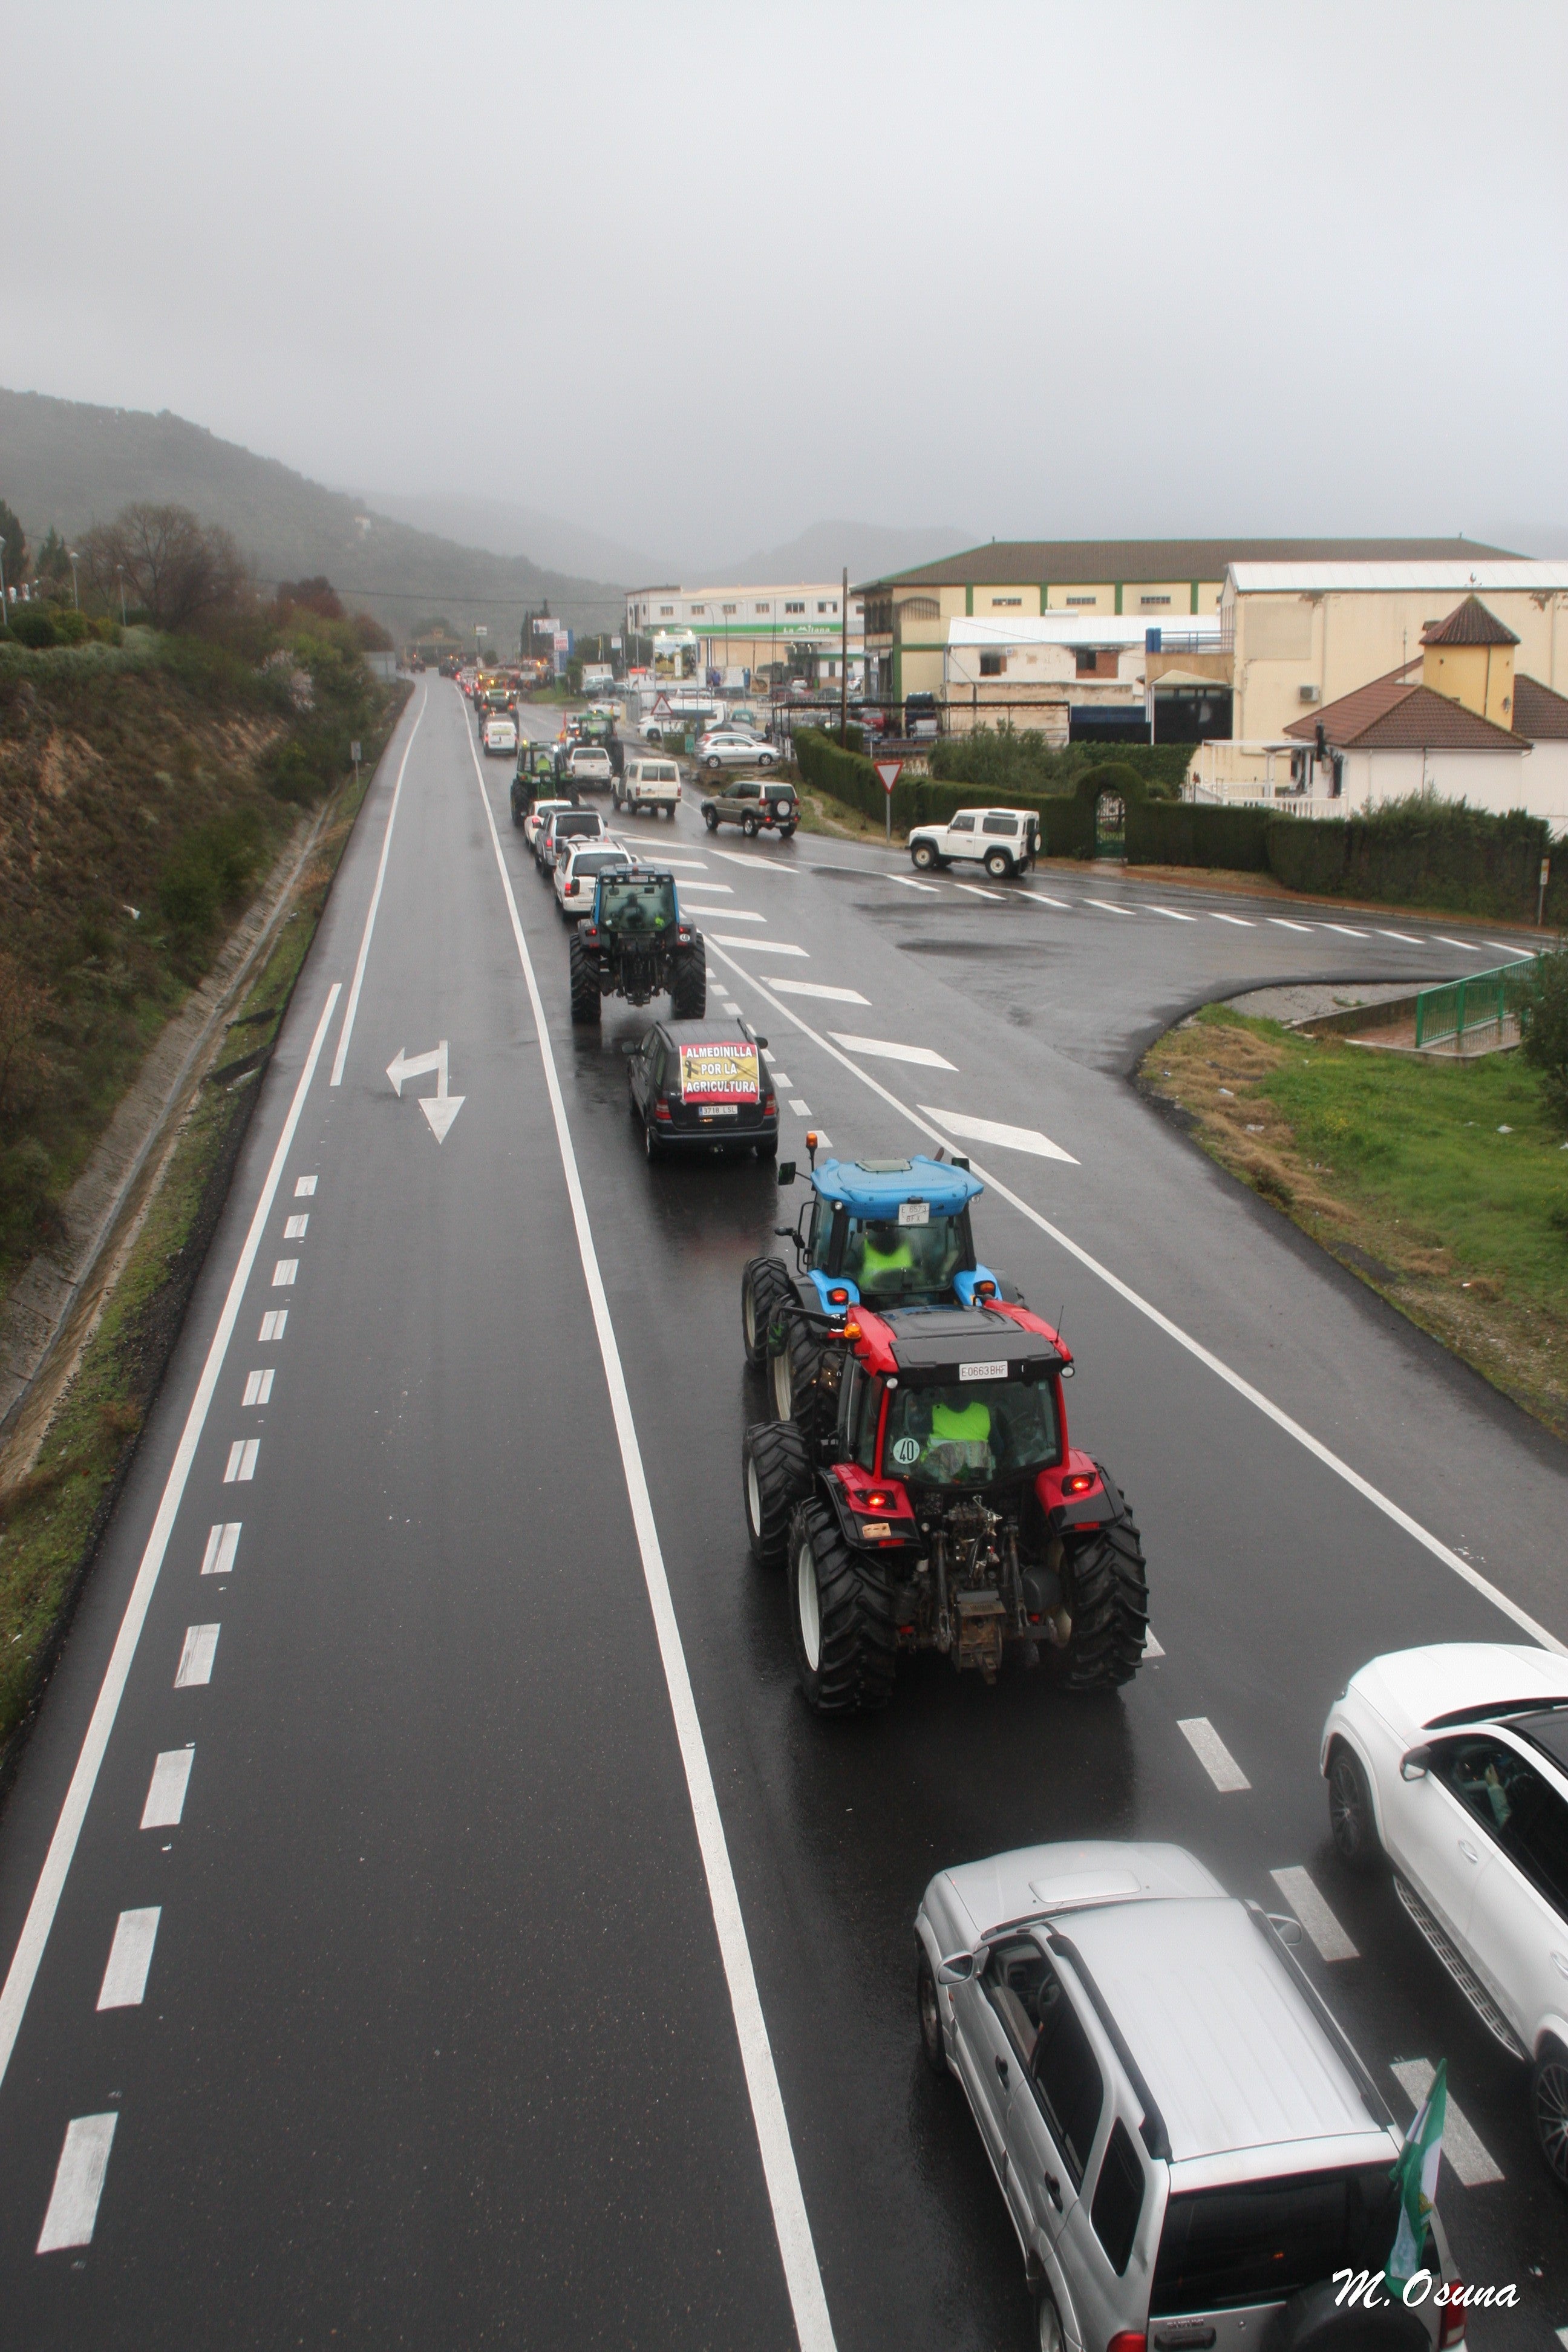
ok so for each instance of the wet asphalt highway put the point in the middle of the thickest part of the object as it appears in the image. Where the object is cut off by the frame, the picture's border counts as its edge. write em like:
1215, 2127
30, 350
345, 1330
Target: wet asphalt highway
439, 2040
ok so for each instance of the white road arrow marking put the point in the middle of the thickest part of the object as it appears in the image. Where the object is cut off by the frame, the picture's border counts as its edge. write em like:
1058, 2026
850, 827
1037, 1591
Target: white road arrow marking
444, 1108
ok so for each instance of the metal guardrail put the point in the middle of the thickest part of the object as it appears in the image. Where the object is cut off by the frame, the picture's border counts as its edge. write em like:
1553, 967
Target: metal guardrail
1463, 1008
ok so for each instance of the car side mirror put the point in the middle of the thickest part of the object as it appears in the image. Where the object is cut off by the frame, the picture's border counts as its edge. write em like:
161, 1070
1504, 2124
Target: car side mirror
1288, 1930
1415, 1764
786, 1172
962, 1968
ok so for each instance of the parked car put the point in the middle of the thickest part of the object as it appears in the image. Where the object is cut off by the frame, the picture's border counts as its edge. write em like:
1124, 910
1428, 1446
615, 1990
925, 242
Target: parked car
561, 826
754, 806
735, 747
1004, 841
1188, 2145
578, 866
1452, 1763
500, 735
588, 767
920, 714
701, 1086
649, 787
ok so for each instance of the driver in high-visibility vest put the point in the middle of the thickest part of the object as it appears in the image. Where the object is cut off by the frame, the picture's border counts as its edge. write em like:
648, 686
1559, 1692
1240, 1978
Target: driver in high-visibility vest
884, 1249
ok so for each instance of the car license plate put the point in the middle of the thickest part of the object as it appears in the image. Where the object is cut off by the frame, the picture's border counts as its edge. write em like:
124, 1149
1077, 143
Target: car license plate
914, 1213
720, 1111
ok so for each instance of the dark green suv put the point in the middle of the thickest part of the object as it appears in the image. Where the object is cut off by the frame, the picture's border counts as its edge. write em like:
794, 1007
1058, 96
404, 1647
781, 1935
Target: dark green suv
754, 803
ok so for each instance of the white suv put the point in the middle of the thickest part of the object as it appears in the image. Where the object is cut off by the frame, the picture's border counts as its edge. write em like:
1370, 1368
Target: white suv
1004, 841
1453, 1762
1187, 2142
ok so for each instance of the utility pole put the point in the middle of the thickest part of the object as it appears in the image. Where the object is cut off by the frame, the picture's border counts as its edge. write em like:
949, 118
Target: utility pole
119, 575
844, 664
75, 600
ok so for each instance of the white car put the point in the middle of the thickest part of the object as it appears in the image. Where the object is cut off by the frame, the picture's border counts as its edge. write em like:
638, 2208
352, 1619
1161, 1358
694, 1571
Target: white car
500, 735
538, 815
735, 747
575, 874
649, 787
1004, 841
1453, 1763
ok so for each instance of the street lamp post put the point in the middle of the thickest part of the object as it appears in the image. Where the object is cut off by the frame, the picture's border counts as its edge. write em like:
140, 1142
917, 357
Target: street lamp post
76, 599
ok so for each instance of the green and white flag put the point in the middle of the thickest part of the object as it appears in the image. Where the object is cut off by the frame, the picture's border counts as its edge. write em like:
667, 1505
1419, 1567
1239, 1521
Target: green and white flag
1416, 2173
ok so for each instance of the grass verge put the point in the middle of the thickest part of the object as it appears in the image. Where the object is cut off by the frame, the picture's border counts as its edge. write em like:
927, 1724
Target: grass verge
1442, 1185
53, 1520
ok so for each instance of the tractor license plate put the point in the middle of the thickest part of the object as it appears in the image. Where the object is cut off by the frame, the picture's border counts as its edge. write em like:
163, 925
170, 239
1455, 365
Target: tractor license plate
914, 1213
982, 1372
720, 1111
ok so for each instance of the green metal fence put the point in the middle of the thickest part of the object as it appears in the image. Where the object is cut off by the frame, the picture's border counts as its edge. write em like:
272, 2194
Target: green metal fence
1466, 1008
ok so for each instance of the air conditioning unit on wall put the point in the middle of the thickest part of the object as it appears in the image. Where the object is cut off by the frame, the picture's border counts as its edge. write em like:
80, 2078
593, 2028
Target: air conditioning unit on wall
1308, 693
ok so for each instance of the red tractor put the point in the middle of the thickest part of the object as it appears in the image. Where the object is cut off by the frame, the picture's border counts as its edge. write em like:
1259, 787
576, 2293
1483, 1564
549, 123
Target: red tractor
944, 1509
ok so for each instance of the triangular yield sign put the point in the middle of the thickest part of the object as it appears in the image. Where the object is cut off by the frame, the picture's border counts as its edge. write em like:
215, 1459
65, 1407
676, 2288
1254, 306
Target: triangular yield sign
441, 1112
890, 771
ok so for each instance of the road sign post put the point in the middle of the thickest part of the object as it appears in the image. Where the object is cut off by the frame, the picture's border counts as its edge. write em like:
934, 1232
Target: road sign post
890, 772
1541, 902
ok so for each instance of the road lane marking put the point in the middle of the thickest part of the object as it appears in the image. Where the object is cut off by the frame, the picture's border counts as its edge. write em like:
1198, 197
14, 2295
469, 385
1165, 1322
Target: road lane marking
731, 1008
360, 962
792, 2223
1468, 946
1405, 939
686, 864
800, 1109
1041, 900
1194, 1348
990, 1131
1468, 2159
303, 1187
1241, 921
736, 915
907, 882
273, 1325
1297, 1887
820, 988
223, 1542
975, 892
1105, 908
1344, 930
35, 1935
884, 1049
241, 1462
777, 1079
1213, 1754
124, 1982
284, 1272
1174, 912
295, 1228
728, 888
1152, 1649
166, 1790
1283, 923
78, 2184
258, 1388
759, 946
757, 865
1504, 947
196, 1654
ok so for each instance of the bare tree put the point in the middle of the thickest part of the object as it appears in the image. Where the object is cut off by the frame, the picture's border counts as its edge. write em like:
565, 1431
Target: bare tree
179, 570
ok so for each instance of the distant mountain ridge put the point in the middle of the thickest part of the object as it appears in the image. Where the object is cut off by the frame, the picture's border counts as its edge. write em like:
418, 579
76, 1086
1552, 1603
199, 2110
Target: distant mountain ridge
69, 464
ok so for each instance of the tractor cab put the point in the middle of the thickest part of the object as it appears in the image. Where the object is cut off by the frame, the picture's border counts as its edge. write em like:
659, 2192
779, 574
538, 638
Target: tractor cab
890, 1233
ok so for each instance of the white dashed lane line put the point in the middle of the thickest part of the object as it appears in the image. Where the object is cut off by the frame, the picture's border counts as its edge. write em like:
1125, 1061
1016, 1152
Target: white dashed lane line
1041, 900
241, 1462
1175, 916
1405, 939
124, 1982
907, 882
166, 1790
78, 2184
284, 1272
1472, 2163
975, 892
1213, 1754
736, 915
725, 889
759, 946
753, 865
1344, 930
196, 1654
303, 1187
729, 1007
685, 864
1105, 908
273, 1325
1468, 946
1298, 1888
1152, 1649
990, 1131
1283, 923
800, 1109
223, 1543
258, 1388
295, 1228
820, 988
883, 1049
1241, 921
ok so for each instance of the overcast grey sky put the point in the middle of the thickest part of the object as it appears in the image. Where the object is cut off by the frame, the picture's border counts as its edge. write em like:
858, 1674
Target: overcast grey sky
696, 274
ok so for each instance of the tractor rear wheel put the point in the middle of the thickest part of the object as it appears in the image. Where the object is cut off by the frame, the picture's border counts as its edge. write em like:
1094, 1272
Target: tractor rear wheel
775, 1475
764, 1285
583, 970
1110, 1606
689, 984
840, 1617
795, 1367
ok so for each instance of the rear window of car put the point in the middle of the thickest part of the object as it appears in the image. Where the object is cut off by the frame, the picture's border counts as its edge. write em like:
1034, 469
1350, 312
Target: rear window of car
578, 820
594, 861
1258, 2241
663, 773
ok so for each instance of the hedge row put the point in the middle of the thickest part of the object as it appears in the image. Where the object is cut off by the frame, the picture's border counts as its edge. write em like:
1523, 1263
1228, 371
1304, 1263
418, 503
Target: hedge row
1420, 852
1067, 825
1180, 832
1002, 761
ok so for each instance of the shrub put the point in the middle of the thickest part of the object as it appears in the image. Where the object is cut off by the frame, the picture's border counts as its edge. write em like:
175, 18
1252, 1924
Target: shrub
1180, 833
71, 627
1421, 852
1308, 853
292, 776
1544, 1018
210, 869
1001, 761
33, 625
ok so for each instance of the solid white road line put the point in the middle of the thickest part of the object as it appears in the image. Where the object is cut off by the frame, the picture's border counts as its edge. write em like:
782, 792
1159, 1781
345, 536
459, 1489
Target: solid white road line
758, 946
196, 1655
1174, 913
124, 1982
1105, 908
1469, 945
303, 1187
1470, 2162
1041, 900
360, 962
908, 882
296, 1228
166, 1790
884, 1049
1405, 937
78, 2184
41, 1911
1213, 1754
820, 988
223, 1543
241, 1462
274, 1323
258, 1388
792, 2225
1241, 921
1317, 1920
990, 1131
1205, 1356
1283, 923
1152, 1649
284, 1272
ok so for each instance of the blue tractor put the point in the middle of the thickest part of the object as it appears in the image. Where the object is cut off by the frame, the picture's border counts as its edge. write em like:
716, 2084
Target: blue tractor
876, 1233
